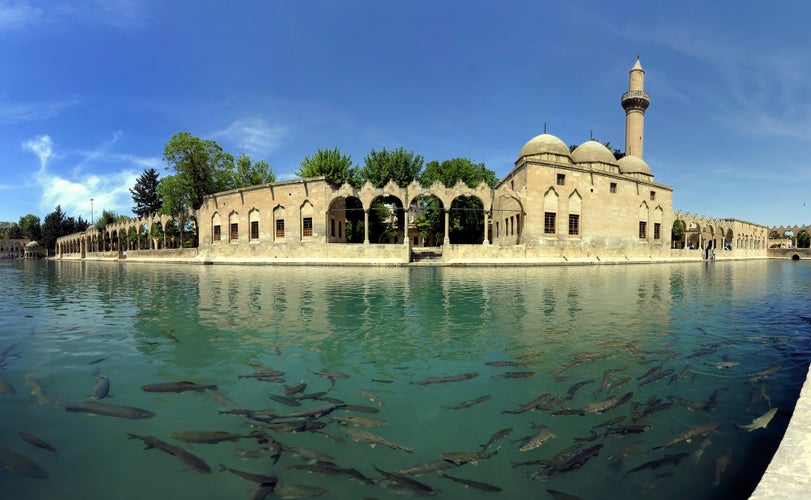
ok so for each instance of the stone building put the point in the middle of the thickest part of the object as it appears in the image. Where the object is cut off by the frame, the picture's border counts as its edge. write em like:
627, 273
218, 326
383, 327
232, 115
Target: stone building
554, 205
13, 249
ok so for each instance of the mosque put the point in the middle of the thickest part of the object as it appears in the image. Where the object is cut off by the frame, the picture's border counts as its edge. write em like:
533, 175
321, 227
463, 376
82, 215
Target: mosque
555, 205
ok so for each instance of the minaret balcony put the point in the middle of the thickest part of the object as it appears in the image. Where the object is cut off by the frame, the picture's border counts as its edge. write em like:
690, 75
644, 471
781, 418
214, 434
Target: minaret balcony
635, 99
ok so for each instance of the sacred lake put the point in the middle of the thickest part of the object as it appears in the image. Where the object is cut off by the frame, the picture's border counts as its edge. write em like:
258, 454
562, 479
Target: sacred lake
139, 380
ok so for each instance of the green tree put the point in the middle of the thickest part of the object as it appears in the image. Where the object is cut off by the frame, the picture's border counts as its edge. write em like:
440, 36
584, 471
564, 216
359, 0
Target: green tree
774, 235
15, 232
174, 191
400, 166
247, 173
449, 172
466, 222
201, 164
145, 194
30, 227
58, 224
678, 230
332, 164
803, 239
107, 217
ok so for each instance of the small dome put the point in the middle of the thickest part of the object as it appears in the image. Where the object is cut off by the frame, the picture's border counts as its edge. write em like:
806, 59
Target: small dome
32, 245
544, 143
632, 165
593, 152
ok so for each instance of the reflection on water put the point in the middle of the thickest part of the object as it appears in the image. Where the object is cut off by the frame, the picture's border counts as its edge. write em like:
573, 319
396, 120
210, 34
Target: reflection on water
605, 381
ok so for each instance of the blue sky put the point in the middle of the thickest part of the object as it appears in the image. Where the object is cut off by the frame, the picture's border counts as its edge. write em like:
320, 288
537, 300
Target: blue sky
91, 90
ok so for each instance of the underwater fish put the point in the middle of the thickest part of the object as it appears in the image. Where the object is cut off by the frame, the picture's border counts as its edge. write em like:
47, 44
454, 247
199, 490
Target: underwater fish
360, 435
193, 461
109, 410
760, 422
36, 441
765, 373
471, 483
181, 386
451, 378
660, 462
497, 436
16, 462
102, 388
464, 457
692, 433
212, 437
250, 476
6, 387
469, 402
537, 440
371, 397
406, 482
721, 464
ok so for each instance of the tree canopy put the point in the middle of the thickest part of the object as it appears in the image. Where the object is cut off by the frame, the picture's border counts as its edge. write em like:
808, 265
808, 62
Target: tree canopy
248, 173
58, 224
30, 227
803, 239
449, 172
332, 164
202, 165
399, 165
145, 194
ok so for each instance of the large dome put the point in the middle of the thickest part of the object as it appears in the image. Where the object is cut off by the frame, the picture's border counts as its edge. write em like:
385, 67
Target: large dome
593, 152
544, 143
632, 165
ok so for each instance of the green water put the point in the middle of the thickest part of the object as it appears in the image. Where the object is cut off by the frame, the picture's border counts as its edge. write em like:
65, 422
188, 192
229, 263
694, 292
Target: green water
706, 327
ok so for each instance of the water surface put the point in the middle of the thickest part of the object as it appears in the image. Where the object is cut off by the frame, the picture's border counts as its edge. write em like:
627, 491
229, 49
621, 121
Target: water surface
683, 340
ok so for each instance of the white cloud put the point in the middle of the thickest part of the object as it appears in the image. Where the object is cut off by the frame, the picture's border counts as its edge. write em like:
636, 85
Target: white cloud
253, 136
16, 16
99, 174
18, 112
42, 146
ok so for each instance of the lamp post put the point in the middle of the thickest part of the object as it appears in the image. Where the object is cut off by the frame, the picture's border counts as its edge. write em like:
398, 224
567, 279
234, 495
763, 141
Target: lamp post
91, 210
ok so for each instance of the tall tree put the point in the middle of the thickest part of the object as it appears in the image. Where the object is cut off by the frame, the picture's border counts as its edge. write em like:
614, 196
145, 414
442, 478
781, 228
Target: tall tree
803, 239
247, 173
107, 217
399, 165
449, 172
145, 194
202, 164
174, 191
54, 227
14, 232
30, 227
332, 164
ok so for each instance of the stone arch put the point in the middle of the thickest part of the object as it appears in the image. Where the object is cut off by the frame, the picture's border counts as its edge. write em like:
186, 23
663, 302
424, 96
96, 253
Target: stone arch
575, 214
254, 219
386, 219
216, 227
504, 207
345, 218
278, 223
466, 220
306, 222
550, 209
426, 226
233, 226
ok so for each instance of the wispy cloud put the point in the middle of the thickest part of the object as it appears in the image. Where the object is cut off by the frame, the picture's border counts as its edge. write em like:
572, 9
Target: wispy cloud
109, 189
19, 112
253, 136
18, 16
22, 15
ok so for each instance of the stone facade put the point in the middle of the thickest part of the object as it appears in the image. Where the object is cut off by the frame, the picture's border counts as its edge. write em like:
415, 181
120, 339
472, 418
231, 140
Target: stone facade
555, 206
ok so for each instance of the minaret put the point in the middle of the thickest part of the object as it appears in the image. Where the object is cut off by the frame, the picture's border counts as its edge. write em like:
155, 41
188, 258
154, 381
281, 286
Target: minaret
635, 102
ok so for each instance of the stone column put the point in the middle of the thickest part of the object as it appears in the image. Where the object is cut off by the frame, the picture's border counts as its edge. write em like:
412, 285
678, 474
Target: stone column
485, 241
366, 226
447, 239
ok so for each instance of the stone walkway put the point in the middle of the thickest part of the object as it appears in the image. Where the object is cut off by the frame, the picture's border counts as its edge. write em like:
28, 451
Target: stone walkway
789, 473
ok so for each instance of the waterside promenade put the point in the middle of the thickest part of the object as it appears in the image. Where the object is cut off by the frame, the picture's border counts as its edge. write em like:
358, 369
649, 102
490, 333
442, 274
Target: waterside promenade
789, 473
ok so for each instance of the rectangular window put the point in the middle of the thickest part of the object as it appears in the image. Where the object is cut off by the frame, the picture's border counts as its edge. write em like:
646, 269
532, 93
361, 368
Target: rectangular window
574, 224
234, 231
255, 230
497, 235
561, 179
614, 188
280, 228
643, 230
518, 223
653, 195
549, 222
217, 233
308, 227
657, 230
332, 227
